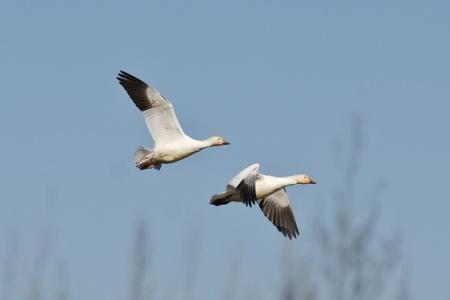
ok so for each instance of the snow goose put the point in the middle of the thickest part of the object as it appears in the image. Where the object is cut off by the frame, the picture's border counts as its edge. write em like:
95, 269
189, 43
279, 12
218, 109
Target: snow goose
250, 186
171, 143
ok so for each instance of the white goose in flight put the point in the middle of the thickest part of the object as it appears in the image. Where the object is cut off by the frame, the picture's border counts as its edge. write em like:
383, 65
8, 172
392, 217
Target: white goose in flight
171, 143
250, 186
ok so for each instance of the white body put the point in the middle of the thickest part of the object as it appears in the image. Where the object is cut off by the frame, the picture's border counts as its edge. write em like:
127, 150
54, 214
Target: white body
177, 150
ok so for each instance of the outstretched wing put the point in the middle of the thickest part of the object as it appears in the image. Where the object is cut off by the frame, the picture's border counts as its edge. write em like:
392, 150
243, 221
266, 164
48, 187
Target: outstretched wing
238, 178
244, 183
158, 111
277, 209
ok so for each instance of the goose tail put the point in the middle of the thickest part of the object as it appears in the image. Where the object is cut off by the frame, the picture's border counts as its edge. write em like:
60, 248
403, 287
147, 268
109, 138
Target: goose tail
222, 198
143, 158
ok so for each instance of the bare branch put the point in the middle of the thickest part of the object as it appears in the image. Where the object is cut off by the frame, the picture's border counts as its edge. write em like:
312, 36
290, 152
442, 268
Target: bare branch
140, 264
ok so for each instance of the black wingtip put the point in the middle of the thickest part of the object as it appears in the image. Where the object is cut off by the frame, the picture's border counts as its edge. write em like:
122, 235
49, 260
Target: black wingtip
125, 76
121, 74
136, 89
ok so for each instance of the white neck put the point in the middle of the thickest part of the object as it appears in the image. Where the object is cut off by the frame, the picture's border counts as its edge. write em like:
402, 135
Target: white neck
290, 180
203, 144
281, 182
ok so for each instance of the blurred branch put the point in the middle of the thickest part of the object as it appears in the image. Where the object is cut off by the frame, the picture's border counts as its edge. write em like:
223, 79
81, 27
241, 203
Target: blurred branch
36, 290
140, 264
356, 264
297, 275
10, 266
230, 290
191, 255
63, 286
39, 284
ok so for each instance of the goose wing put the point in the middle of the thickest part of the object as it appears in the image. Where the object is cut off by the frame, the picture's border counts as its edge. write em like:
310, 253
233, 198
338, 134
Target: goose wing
158, 111
244, 183
277, 209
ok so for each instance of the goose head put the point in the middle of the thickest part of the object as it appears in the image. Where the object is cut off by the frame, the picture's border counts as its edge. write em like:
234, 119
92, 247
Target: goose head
304, 179
217, 141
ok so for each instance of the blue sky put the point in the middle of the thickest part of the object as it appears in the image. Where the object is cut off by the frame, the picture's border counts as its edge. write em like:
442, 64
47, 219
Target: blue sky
280, 80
